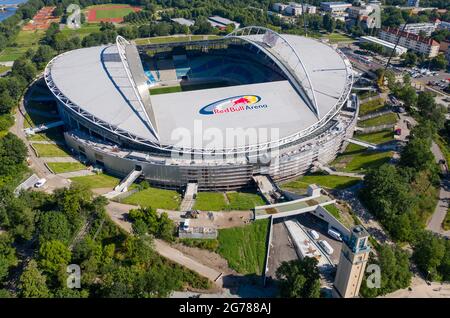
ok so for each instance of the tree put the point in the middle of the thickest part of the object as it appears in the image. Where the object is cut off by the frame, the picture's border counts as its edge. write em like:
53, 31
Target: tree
33, 282
299, 278
53, 255
43, 55
8, 257
53, 225
329, 23
439, 62
429, 252
417, 154
410, 59
24, 68
161, 226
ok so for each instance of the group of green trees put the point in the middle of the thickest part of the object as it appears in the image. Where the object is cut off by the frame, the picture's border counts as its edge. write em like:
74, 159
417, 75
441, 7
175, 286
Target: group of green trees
148, 221
402, 197
112, 263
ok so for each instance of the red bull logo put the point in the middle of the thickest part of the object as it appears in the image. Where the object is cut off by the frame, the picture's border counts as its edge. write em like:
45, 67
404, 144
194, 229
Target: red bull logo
232, 105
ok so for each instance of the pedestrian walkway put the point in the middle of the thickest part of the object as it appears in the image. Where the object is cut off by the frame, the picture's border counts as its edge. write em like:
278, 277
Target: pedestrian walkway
362, 143
189, 197
58, 159
337, 173
78, 173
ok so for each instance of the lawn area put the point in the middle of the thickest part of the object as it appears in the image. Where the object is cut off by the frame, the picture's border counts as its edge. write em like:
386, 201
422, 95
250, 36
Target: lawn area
25, 40
443, 145
371, 106
210, 201
50, 150
155, 198
4, 69
113, 13
321, 179
61, 167
97, 181
338, 37
245, 247
358, 159
379, 137
244, 201
334, 211
165, 90
82, 32
390, 118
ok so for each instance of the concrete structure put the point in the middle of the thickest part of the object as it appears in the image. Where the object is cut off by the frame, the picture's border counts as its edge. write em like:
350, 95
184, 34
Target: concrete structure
183, 21
279, 7
335, 7
417, 28
222, 23
352, 264
387, 46
367, 16
414, 42
295, 109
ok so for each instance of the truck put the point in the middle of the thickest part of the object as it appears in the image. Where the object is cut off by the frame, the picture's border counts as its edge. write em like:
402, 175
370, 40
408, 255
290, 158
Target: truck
326, 246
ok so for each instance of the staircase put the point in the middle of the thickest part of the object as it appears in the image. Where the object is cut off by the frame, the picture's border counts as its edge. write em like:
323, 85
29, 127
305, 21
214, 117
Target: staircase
129, 179
189, 197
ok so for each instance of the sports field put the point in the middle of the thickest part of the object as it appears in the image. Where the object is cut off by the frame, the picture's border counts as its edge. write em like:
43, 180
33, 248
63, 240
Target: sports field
109, 12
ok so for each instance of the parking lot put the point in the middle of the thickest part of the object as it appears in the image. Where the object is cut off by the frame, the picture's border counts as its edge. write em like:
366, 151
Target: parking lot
310, 222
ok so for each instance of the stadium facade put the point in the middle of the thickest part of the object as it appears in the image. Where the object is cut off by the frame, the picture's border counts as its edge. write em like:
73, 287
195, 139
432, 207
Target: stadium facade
284, 99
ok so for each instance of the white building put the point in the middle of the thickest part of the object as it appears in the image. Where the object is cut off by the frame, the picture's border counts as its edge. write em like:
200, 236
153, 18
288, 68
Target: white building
443, 25
415, 28
294, 9
279, 7
221, 23
414, 3
335, 7
414, 42
387, 46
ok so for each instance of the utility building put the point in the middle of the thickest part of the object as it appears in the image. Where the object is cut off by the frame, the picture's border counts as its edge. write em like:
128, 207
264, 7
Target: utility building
352, 264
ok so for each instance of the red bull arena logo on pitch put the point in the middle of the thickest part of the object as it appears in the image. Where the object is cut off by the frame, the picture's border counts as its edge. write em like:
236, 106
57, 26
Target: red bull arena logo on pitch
233, 105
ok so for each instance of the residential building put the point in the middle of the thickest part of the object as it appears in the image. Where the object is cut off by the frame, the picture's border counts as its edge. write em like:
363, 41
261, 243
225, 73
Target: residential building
294, 9
414, 42
443, 25
413, 3
335, 7
416, 28
352, 264
387, 46
279, 7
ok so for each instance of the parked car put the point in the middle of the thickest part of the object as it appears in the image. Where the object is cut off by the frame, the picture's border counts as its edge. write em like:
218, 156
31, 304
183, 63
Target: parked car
314, 234
327, 247
335, 234
40, 183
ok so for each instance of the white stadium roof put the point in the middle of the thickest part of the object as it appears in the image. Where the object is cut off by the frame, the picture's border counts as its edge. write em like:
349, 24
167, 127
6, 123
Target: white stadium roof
95, 79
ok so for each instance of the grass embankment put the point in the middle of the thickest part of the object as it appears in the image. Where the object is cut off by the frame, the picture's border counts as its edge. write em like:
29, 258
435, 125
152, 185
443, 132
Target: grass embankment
321, 179
216, 201
155, 198
371, 106
443, 145
377, 138
62, 167
358, 159
50, 150
386, 119
245, 247
446, 223
97, 181
24, 41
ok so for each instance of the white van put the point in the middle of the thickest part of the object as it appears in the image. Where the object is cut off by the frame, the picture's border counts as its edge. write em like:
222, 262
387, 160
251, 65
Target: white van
335, 234
327, 247
314, 234
40, 183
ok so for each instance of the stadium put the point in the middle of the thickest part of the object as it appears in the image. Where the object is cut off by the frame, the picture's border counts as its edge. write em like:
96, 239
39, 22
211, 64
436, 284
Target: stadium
214, 111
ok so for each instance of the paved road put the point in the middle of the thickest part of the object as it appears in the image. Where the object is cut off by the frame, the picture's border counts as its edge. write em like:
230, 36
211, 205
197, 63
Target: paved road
435, 222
